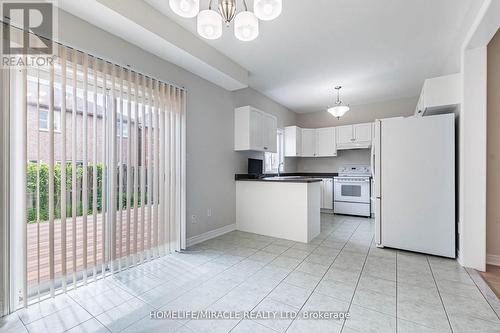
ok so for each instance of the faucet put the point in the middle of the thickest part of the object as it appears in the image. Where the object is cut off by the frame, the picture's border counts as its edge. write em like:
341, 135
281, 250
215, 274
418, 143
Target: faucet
279, 168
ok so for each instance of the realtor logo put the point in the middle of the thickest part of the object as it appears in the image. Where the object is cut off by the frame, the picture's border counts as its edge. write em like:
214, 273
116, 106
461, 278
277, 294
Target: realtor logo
29, 28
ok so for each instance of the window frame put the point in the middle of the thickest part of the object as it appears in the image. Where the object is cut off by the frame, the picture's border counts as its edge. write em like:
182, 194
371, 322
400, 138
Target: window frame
280, 137
57, 121
122, 128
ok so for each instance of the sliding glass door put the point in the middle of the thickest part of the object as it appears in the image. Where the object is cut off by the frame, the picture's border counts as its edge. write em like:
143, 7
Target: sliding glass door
103, 187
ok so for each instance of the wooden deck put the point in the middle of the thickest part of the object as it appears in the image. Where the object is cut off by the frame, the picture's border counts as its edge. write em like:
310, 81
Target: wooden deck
38, 256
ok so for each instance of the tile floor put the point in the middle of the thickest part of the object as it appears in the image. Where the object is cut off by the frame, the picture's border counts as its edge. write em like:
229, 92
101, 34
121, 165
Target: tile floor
341, 270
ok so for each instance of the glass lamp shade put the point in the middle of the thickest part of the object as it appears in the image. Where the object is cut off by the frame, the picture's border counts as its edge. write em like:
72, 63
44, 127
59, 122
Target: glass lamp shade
267, 10
338, 110
209, 24
185, 8
246, 26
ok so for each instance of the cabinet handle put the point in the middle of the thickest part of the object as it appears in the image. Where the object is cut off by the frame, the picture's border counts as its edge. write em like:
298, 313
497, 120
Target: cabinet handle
353, 139
265, 148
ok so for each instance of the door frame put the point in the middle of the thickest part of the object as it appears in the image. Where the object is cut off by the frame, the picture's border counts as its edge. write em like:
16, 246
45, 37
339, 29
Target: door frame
5, 302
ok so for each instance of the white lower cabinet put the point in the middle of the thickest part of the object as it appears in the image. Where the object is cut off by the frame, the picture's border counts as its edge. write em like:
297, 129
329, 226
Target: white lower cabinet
327, 193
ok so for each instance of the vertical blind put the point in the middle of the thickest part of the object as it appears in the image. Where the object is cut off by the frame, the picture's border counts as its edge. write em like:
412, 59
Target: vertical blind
105, 176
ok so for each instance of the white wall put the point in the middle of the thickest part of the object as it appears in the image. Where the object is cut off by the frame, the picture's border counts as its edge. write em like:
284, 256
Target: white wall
360, 113
357, 114
211, 161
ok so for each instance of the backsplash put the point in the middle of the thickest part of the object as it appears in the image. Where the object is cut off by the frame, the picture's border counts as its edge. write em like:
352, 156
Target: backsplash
290, 162
332, 164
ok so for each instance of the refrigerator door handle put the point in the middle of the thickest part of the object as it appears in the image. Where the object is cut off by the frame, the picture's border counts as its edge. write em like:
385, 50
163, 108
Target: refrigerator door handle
372, 161
377, 177
378, 223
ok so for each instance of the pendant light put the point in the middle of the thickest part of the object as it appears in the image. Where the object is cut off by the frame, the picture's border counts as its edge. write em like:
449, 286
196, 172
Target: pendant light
185, 8
267, 10
340, 108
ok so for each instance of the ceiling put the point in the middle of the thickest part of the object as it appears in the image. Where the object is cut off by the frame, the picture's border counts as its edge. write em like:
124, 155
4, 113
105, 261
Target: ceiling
378, 50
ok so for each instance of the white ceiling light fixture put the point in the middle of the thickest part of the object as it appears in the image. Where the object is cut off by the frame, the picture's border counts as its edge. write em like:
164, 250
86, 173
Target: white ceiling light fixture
185, 8
340, 108
267, 10
209, 24
246, 26
246, 23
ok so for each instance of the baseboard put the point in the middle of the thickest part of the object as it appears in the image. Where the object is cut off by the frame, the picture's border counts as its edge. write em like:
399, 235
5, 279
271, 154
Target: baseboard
210, 234
493, 259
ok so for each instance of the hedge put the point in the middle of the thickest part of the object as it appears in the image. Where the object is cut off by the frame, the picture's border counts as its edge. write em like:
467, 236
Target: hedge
44, 190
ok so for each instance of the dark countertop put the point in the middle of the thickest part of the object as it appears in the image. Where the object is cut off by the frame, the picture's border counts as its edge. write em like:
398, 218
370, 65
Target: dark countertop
282, 179
288, 174
306, 177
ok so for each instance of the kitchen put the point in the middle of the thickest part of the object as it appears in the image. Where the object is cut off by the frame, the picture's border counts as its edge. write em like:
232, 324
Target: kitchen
393, 147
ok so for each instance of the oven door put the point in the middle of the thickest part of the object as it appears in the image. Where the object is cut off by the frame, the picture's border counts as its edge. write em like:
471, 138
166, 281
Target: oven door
352, 190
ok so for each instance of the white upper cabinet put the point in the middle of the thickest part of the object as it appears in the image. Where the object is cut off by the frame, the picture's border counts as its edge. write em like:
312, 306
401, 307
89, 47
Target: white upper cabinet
254, 130
363, 133
308, 142
439, 95
354, 136
344, 135
293, 141
325, 142
270, 127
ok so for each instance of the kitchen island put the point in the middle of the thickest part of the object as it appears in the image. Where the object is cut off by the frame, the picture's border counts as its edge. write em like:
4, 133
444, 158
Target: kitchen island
282, 207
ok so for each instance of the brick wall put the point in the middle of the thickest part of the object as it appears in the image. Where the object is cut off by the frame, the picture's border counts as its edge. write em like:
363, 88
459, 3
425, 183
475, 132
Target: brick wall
34, 134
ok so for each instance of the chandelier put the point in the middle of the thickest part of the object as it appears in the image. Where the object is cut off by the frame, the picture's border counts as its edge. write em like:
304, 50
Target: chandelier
210, 21
340, 108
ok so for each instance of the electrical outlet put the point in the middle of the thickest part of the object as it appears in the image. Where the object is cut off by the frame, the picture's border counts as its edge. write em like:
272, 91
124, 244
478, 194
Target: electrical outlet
209, 212
194, 219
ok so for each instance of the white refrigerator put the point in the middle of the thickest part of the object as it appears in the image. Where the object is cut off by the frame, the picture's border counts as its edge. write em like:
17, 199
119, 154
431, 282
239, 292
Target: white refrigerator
413, 165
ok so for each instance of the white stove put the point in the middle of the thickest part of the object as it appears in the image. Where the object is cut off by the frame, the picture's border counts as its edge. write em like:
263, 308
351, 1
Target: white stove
352, 191
355, 170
